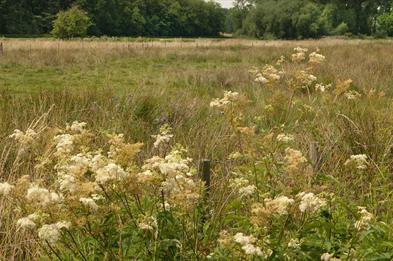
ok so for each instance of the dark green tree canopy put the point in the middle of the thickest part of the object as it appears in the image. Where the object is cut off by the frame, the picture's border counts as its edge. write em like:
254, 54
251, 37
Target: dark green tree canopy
296, 19
117, 17
288, 19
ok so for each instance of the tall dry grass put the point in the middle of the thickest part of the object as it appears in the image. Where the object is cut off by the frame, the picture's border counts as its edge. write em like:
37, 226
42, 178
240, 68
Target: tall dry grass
134, 88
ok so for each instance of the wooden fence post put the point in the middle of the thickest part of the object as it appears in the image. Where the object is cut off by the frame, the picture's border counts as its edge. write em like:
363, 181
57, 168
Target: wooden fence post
205, 173
314, 155
1, 49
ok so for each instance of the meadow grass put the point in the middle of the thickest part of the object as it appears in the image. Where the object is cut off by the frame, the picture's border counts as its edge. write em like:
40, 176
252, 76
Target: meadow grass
134, 89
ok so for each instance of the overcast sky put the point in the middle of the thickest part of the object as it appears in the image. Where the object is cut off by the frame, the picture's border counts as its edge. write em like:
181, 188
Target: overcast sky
225, 3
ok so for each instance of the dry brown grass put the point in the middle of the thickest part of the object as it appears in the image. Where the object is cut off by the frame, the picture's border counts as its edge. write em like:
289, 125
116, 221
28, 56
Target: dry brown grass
21, 44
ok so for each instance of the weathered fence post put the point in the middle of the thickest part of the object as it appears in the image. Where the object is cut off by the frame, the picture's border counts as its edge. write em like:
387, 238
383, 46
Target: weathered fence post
1, 49
204, 172
314, 156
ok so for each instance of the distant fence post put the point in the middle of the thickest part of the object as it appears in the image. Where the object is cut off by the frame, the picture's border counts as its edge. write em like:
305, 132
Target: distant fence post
205, 173
1, 48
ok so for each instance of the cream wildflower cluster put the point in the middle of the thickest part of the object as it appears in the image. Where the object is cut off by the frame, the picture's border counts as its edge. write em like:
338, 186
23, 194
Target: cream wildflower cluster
95, 183
365, 219
285, 138
316, 58
229, 99
5, 188
24, 138
242, 186
329, 257
268, 74
247, 243
263, 212
51, 233
173, 176
358, 161
164, 136
310, 202
299, 55
294, 159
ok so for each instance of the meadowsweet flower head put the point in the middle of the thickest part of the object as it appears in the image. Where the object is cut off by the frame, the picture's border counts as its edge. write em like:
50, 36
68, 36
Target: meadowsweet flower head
271, 73
261, 79
365, 219
98, 161
250, 249
77, 127
310, 202
67, 183
294, 243
285, 138
329, 257
352, 95
224, 239
25, 222
278, 205
294, 159
51, 233
5, 188
247, 191
24, 138
304, 79
229, 98
64, 144
148, 223
316, 58
300, 49
243, 239
121, 152
235, 155
262, 213
164, 136
89, 203
281, 60
174, 176
242, 186
359, 161
343, 86
299, 55
268, 74
248, 245
268, 108
42, 196
322, 88
109, 173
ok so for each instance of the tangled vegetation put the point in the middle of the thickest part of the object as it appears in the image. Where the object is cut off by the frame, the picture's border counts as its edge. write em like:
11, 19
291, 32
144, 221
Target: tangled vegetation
280, 193
298, 19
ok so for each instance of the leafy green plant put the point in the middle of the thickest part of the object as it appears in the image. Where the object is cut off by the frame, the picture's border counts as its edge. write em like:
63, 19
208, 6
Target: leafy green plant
71, 23
385, 24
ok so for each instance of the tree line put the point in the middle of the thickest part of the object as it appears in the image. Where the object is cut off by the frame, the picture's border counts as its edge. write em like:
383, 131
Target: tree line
265, 19
188, 18
297, 19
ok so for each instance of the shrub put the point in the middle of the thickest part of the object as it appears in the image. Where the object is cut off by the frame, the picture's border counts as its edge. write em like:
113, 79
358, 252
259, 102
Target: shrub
385, 24
71, 23
341, 29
